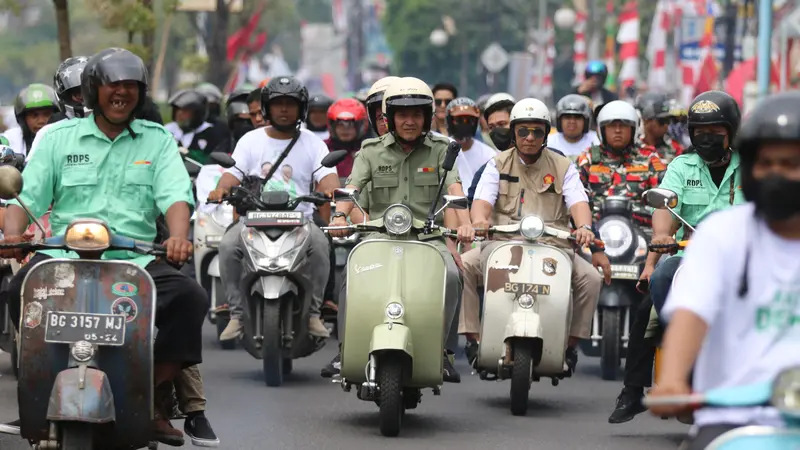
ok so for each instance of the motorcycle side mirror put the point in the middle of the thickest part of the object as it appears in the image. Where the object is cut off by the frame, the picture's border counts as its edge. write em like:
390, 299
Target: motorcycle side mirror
193, 170
10, 188
661, 198
222, 159
453, 149
333, 158
455, 202
345, 194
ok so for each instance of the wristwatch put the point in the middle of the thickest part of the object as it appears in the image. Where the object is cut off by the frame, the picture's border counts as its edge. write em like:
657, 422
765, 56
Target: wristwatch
587, 227
338, 214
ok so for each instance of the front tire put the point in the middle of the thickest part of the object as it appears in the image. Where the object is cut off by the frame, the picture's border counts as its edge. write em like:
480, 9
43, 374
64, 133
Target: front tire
521, 378
390, 383
77, 436
272, 347
611, 344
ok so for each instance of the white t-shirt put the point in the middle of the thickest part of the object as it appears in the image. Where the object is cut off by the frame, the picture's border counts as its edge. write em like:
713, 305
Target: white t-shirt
569, 149
15, 140
745, 344
206, 182
256, 151
469, 161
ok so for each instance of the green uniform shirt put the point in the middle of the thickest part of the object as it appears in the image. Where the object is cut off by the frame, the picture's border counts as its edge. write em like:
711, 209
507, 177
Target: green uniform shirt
126, 182
398, 177
698, 196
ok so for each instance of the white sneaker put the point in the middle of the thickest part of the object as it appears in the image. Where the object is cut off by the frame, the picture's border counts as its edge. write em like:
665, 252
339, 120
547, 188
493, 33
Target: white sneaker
232, 331
317, 328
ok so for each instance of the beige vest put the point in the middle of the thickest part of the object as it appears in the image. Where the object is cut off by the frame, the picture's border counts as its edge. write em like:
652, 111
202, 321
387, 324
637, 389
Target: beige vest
535, 189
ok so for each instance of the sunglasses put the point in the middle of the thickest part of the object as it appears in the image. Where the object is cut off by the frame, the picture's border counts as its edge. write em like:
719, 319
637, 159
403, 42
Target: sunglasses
523, 132
443, 101
463, 120
664, 120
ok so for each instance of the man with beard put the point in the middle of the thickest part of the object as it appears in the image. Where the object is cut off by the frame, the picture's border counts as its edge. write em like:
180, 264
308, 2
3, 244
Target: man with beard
254, 105
33, 108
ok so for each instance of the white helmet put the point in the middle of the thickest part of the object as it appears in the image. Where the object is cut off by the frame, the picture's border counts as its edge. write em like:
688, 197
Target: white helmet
530, 109
374, 100
497, 101
408, 91
617, 110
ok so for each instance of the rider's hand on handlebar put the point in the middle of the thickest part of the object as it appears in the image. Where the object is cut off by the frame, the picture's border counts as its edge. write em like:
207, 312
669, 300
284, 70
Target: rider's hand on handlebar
217, 194
663, 240
583, 237
15, 253
669, 389
480, 227
466, 234
179, 250
340, 222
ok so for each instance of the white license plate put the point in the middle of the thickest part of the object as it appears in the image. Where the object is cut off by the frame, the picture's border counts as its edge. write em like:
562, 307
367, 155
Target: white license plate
274, 218
625, 271
99, 329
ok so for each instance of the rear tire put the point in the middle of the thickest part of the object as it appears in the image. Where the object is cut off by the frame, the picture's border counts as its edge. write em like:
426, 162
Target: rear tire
521, 378
610, 345
272, 347
77, 436
390, 383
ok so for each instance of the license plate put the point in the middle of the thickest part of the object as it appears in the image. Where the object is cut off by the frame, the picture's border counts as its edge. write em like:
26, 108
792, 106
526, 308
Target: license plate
274, 218
98, 329
213, 240
527, 288
625, 271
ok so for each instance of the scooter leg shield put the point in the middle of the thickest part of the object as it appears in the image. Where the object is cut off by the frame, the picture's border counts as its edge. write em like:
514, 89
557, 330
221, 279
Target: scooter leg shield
213, 267
394, 337
523, 324
82, 395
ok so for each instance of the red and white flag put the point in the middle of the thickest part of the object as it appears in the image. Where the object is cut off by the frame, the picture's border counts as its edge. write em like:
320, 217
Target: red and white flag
579, 47
656, 52
628, 40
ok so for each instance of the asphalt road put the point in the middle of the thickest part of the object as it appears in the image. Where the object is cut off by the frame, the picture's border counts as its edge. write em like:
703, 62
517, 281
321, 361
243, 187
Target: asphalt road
309, 412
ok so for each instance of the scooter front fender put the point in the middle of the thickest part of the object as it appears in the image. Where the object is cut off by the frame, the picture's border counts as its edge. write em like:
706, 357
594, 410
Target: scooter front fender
523, 324
393, 336
271, 287
213, 267
82, 395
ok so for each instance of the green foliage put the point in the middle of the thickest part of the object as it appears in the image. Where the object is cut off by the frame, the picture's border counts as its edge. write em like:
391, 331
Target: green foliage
194, 63
128, 15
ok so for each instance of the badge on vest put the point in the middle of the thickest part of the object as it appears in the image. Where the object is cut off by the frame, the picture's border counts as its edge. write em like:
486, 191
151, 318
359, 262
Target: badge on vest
426, 170
548, 179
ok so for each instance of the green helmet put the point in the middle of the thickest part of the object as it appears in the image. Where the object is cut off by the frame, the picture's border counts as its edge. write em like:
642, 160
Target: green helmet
35, 96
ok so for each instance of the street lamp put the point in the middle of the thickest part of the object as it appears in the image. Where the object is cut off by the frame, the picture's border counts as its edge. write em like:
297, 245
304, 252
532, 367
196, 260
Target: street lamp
565, 18
439, 37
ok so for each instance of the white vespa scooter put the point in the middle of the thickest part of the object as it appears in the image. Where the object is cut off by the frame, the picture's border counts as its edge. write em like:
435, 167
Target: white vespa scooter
527, 310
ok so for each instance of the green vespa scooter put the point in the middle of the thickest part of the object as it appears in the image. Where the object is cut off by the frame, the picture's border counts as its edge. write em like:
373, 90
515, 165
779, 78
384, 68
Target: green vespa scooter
393, 340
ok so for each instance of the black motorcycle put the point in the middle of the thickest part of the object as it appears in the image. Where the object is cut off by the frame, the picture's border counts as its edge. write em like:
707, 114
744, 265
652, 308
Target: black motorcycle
625, 227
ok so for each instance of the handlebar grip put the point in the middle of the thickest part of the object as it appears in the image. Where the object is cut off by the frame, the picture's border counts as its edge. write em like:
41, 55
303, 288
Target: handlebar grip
213, 202
158, 250
598, 243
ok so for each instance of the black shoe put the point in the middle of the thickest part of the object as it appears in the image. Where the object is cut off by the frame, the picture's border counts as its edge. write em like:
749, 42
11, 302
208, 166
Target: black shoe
333, 368
450, 375
471, 350
629, 404
571, 358
198, 428
10, 427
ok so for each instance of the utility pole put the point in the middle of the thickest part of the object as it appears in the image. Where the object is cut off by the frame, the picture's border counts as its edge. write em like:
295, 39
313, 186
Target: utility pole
731, 12
542, 38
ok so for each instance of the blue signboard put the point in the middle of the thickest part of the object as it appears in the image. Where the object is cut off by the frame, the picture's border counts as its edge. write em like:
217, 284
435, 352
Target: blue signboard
691, 51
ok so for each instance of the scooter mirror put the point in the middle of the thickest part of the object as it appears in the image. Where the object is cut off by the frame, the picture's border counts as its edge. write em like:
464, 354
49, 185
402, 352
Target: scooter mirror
333, 158
660, 198
345, 194
10, 182
192, 169
456, 202
222, 159
453, 149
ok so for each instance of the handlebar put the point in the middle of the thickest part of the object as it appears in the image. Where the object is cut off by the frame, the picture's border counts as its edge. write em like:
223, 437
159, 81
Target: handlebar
117, 243
666, 248
316, 198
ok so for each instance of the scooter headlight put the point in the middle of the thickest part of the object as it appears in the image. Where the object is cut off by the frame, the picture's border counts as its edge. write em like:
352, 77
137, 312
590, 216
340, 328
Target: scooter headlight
394, 311
397, 219
531, 227
617, 236
87, 235
223, 215
271, 257
526, 301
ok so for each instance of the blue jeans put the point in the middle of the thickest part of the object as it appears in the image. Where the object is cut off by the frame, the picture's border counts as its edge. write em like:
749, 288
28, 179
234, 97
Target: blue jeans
661, 281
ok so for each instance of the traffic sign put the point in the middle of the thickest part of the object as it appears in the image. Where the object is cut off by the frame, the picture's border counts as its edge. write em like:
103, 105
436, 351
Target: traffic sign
494, 58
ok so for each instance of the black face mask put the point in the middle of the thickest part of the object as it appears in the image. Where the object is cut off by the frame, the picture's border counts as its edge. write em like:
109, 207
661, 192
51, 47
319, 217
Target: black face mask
710, 147
501, 138
776, 197
463, 131
240, 127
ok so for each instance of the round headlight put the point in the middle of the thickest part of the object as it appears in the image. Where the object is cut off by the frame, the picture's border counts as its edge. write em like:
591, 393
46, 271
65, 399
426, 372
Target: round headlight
394, 311
397, 219
786, 392
87, 235
617, 236
82, 351
531, 227
525, 301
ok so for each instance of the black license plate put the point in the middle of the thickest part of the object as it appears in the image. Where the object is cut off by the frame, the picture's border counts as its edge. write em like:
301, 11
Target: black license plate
528, 288
274, 219
98, 329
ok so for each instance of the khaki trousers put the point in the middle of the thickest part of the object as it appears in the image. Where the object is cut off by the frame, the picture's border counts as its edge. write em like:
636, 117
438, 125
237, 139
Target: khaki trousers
586, 285
189, 390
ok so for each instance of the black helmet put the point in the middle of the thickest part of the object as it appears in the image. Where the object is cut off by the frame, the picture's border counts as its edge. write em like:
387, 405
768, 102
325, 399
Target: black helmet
194, 101
238, 95
653, 106
776, 118
714, 108
319, 101
110, 66
67, 78
284, 87
575, 105
214, 97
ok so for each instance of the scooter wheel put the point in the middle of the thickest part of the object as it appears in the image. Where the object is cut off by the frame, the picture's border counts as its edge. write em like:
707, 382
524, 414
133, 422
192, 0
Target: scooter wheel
521, 378
392, 407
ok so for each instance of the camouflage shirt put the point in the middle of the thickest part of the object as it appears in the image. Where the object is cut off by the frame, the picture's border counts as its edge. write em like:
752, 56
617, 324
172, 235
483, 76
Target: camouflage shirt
606, 174
668, 149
